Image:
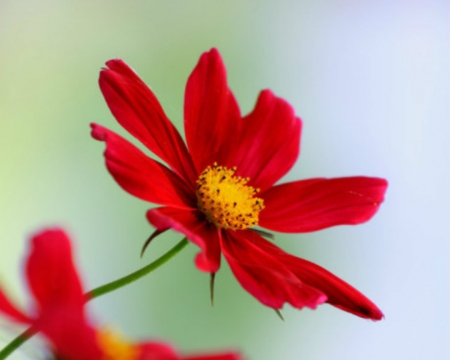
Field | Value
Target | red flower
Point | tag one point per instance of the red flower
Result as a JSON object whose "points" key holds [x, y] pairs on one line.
{"points": [[221, 185], [59, 311]]}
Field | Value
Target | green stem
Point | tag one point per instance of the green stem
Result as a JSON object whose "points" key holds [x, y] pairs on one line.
{"points": [[102, 290], [17, 342], [117, 284]]}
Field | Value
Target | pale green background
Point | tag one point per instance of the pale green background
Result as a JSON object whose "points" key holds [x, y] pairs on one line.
{"points": [[370, 80]]}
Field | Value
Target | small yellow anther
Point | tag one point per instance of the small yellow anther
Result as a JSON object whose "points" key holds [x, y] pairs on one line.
{"points": [[226, 199]]}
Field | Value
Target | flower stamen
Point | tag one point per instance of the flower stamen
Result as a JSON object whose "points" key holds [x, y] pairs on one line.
{"points": [[226, 200]]}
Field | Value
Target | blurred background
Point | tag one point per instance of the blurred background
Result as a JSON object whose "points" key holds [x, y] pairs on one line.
{"points": [[370, 80]]}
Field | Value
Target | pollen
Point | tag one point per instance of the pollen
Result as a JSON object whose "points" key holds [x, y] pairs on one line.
{"points": [[114, 347], [226, 199]]}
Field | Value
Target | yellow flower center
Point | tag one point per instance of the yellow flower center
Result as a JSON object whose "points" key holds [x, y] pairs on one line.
{"points": [[226, 200], [114, 347]]}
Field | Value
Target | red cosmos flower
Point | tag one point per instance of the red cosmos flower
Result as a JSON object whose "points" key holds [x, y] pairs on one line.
{"points": [[220, 185], [59, 311]]}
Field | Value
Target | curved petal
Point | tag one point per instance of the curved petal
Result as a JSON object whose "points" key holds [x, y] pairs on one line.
{"points": [[315, 204], [211, 114], [10, 310], [51, 273], [270, 141], [263, 275], [140, 175], [195, 228], [136, 108], [338, 292], [56, 286]]}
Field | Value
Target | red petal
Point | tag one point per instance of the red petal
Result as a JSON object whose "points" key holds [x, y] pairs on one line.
{"points": [[263, 275], [221, 356], [51, 273], [211, 114], [156, 351], [56, 286], [10, 310], [72, 338], [197, 230], [315, 204], [270, 141], [337, 291], [136, 108], [140, 175], [161, 351]]}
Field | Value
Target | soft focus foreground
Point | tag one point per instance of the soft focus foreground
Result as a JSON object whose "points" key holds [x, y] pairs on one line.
{"points": [[59, 310], [368, 80]]}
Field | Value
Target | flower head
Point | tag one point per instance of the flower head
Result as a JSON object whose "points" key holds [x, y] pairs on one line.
{"points": [[220, 185], [59, 310]]}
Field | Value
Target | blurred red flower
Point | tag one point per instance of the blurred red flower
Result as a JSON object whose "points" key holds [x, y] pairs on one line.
{"points": [[220, 185], [59, 310]]}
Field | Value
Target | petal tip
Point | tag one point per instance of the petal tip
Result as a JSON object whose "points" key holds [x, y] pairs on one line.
{"points": [[203, 263], [376, 315], [213, 56], [46, 234], [97, 132], [213, 51], [111, 63]]}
